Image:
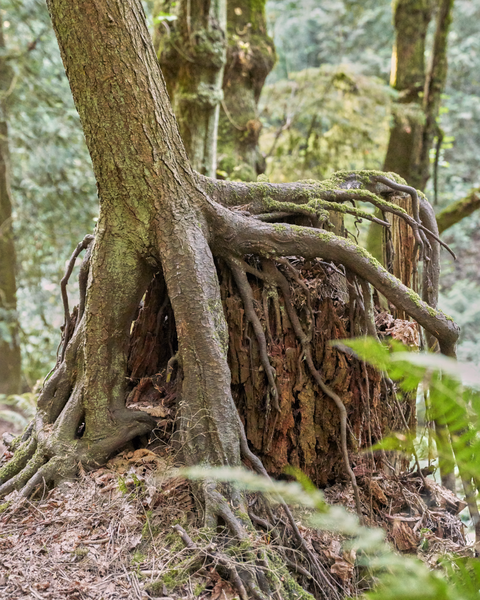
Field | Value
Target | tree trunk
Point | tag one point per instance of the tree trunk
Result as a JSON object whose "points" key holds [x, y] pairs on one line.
{"points": [[412, 18], [192, 52], [420, 88], [250, 58], [159, 219], [10, 363]]}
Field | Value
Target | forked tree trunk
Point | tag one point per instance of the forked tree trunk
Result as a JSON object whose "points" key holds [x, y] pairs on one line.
{"points": [[160, 218], [10, 359]]}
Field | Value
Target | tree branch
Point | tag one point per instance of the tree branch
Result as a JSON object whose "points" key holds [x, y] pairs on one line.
{"points": [[458, 210]]}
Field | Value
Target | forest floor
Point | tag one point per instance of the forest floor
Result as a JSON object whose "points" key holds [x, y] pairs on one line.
{"points": [[110, 534]]}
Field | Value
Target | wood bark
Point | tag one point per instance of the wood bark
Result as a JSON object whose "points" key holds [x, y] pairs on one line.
{"points": [[10, 359]]}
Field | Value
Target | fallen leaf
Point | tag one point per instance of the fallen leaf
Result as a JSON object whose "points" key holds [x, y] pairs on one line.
{"points": [[343, 569], [403, 536]]}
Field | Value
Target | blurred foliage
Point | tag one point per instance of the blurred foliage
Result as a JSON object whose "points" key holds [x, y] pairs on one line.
{"points": [[394, 576], [52, 181], [323, 120], [311, 33], [449, 391], [25, 406]]}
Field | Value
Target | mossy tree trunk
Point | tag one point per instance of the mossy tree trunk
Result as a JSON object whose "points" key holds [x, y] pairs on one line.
{"points": [[192, 52], [250, 58], [10, 359], [412, 19], [161, 221], [420, 86], [458, 210], [239, 78]]}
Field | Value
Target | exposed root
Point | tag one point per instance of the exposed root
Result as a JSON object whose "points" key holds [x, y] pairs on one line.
{"points": [[420, 239], [342, 187], [247, 297], [215, 557], [318, 572], [67, 333], [316, 209]]}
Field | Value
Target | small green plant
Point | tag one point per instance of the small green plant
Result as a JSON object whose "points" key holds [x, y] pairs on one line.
{"points": [[81, 552], [138, 557], [122, 486]]}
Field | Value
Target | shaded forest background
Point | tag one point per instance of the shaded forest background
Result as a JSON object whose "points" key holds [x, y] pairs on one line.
{"points": [[327, 105]]}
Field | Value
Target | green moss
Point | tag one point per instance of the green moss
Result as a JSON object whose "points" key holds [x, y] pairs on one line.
{"points": [[20, 458], [373, 261], [280, 577], [81, 552], [138, 557], [279, 227], [4, 506], [155, 588], [199, 589], [366, 176]]}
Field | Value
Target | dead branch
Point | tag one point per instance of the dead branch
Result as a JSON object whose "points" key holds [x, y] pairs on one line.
{"points": [[87, 240]]}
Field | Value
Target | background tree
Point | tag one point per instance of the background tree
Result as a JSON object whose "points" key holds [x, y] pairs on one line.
{"points": [[10, 364], [240, 76], [191, 41], [250, 58]]}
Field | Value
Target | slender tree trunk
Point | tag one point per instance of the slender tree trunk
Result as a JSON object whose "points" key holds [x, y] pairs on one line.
{"points": [[10, 359], [192, 53], [434, 86], [250, 58], [412, 18]]}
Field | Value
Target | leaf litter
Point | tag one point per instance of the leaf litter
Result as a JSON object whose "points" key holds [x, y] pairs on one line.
{"points": [[109, 534]]}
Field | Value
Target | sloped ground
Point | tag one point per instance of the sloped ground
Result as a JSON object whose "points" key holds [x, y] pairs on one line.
{"points": [[110, 535]]}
